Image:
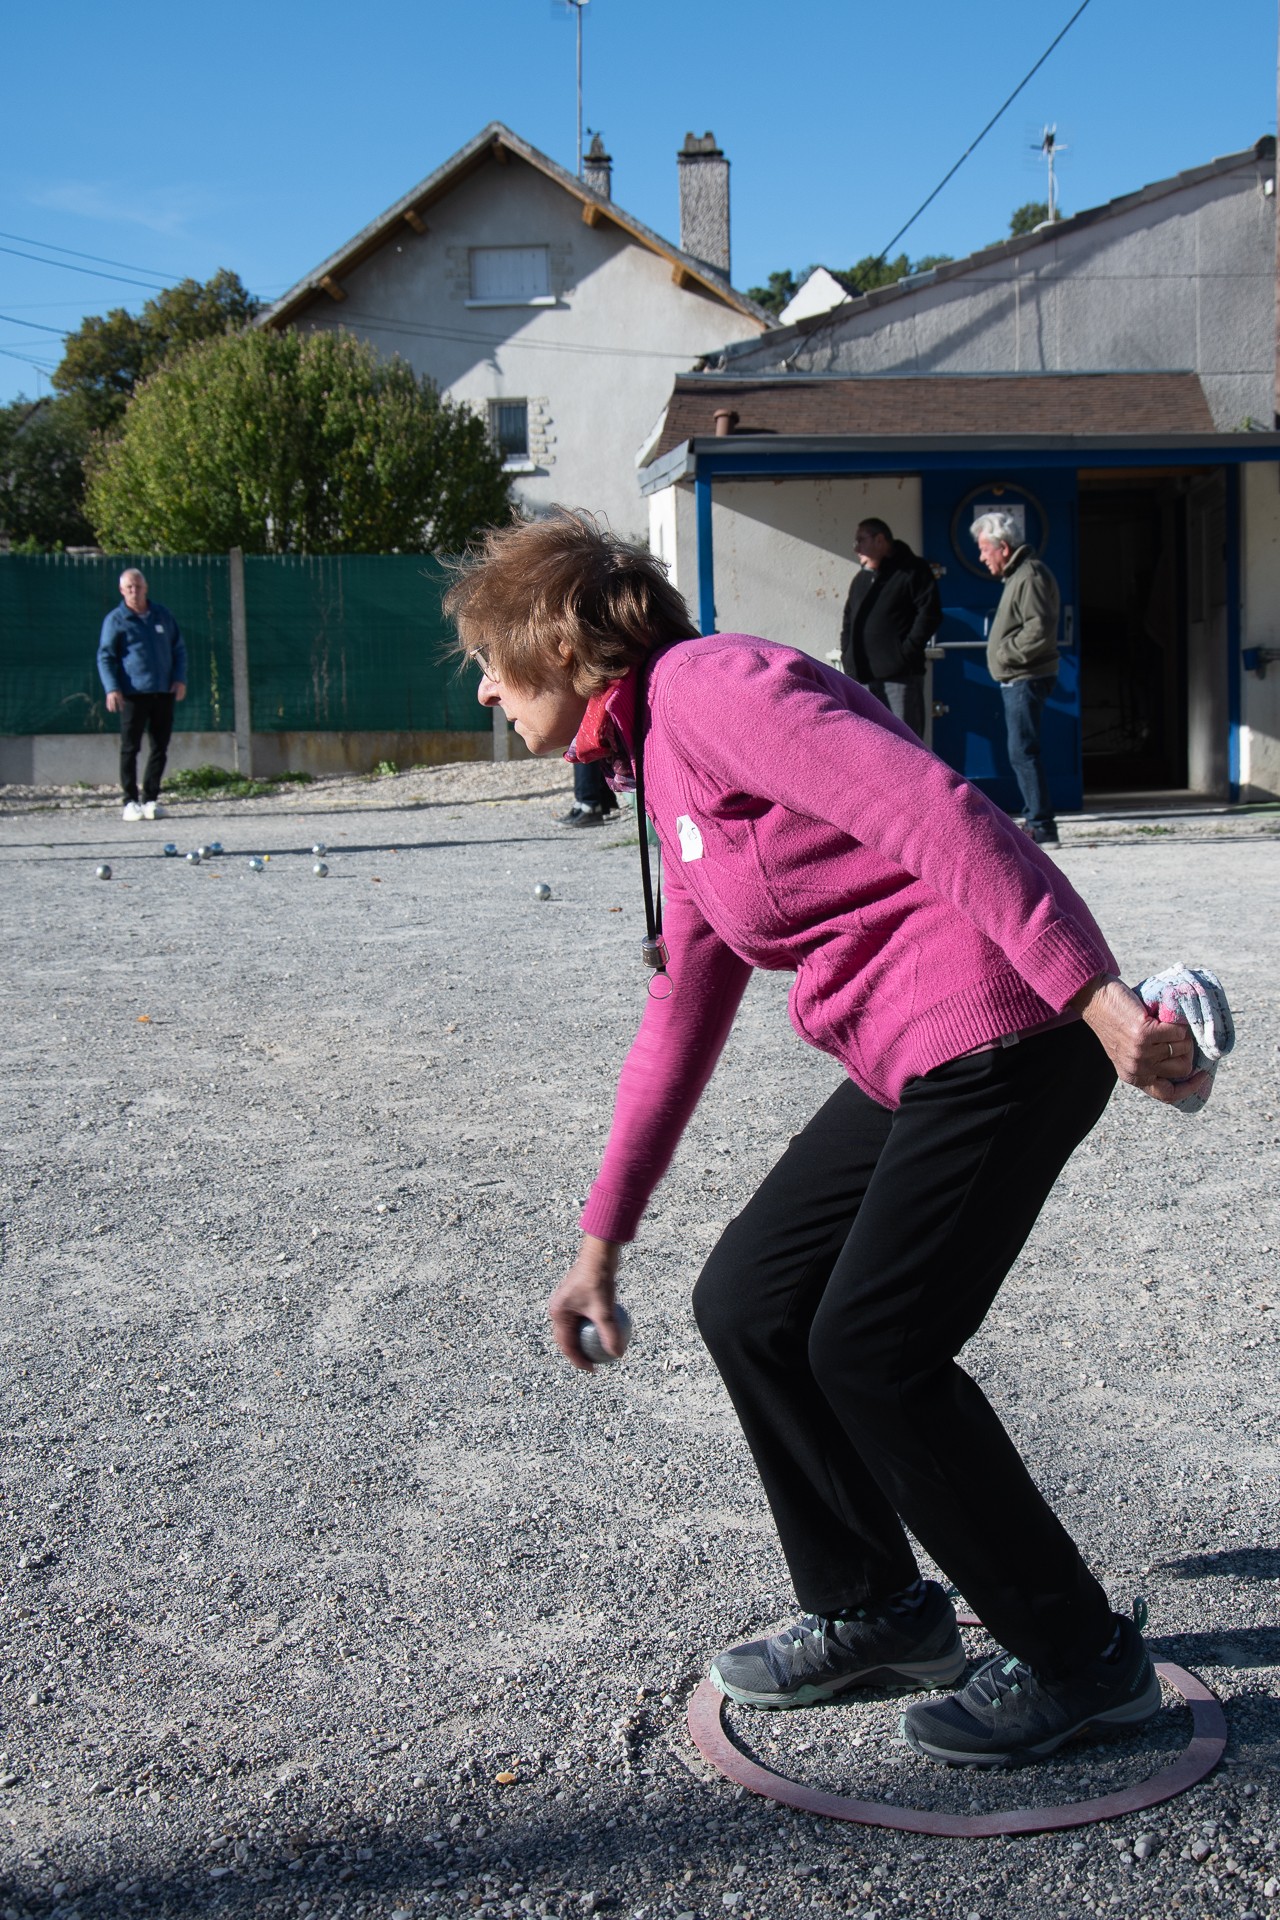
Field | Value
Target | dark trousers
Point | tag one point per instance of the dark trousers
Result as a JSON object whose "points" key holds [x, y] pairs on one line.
{"points": [[144, 713], [903, 697], [1024, 705], [835, 1305], [590, 788]]}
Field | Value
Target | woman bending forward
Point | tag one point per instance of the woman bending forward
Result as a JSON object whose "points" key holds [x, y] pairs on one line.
{"points": [[971, 999]]}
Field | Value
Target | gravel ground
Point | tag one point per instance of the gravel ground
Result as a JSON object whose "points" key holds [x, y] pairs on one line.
{"points": [[327, 1590]]}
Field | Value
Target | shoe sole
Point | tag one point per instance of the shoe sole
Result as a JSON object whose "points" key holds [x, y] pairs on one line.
{"points": [[924, 1674], [1132, 1714]]}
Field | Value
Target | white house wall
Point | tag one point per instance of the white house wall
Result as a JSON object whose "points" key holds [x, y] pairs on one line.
{"points": [[1260, 698], [1181, 283], [596, 367], [784, 551]]}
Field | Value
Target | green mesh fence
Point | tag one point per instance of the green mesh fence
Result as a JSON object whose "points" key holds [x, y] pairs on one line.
{"points": [[353, 643], [51, 611], [350, 644]]}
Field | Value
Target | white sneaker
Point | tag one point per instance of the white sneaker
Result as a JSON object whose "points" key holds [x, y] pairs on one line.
{"points": [[132, 811], [152, 810]]}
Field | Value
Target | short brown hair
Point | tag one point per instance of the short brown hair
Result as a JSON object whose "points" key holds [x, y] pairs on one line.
{"points": [[563, 593]]}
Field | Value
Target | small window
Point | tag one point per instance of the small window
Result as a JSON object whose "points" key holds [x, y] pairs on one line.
{"points": [[510, 274], [509, 429]]}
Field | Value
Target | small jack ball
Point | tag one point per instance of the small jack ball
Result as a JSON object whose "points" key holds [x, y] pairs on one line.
{"points": [[542, 891], [591, 1344], [320, 870], [194, 857], [170, 851], [258, 864], [103, 872], [319, 849]]}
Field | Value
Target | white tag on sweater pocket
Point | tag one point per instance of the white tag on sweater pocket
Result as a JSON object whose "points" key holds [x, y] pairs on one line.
{"points": [[690, 838]]}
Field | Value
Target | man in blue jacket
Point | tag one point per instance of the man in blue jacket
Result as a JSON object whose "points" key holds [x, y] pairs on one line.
{"points": [[142, 661]]}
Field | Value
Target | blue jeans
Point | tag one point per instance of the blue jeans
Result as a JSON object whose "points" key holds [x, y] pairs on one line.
{"points": [[1024, 702]]}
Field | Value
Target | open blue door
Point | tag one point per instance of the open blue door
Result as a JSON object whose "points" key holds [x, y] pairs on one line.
{"points": [[968, 724]]}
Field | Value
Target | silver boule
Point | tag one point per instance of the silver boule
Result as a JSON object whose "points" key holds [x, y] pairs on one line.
{"points": [[215, 846], [542, 891], [171, 852], [591, 1344], [320, 869], [319, 849], [206, 853], [194, 857], [103, 872], [257, 863]]}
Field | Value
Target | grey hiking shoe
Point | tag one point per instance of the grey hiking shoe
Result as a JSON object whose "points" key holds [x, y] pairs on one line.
{"points": [[1007, 1714], [879, 1647]]}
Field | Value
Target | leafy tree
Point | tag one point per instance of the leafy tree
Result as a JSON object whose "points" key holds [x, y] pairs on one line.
{"points": [[293, 443], [1024, 218], [781, 288], [42, 449], [869, 273], [107, 355]]}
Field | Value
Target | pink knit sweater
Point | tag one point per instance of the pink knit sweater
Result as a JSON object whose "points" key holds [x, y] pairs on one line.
{"points": [[804, 829]]}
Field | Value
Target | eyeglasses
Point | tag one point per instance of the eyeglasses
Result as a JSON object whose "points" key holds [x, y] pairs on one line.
{"points": [[480, 660]]}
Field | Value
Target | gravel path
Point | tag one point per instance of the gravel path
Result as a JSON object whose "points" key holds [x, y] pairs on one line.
{"points": [[327, 1590]]}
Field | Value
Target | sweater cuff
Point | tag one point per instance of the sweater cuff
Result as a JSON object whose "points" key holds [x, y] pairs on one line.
{"points": [[1063, 960], [610, 1216]]}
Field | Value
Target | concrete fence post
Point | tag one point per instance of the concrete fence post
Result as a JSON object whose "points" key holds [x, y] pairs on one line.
{"points": [[240, 665], [501, 735]]}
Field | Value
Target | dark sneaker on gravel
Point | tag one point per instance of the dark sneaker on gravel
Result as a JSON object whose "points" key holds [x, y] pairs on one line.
{"points": [[817, 1657], [1007, 1714]]}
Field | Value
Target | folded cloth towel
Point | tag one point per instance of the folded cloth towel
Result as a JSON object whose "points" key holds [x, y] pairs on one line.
{"points": [[1194, 996]]}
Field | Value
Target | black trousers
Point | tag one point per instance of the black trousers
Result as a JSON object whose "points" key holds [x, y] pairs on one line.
{"points": [[144, 713], [835, 1304]]}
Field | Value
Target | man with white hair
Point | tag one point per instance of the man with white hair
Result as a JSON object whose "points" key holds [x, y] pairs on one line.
{"points": [[142, 662], [1022, 657]]}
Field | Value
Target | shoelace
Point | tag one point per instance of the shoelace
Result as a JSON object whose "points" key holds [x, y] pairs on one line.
{"points": [[999, 1678]]}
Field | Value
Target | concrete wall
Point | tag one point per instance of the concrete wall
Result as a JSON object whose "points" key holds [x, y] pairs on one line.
{"points": [[783, 550], [1185, 282], [596, 367], [63, 759], [1260, 627]]}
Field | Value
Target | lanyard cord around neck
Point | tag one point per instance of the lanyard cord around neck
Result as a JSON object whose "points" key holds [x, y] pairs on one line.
{"points": [[653, 948]]}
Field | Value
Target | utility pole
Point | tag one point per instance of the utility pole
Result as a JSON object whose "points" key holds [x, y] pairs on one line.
{"points": [[577, 6]]}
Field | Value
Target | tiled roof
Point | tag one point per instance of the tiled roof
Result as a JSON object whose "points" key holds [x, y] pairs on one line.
{"points": [[893, 406]]}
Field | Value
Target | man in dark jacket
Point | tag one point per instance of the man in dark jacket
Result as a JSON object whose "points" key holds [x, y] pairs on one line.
{"points": [[142, 662], [892, 613]]}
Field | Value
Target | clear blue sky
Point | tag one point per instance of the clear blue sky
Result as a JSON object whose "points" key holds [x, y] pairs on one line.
{"points": [[260, 137]]}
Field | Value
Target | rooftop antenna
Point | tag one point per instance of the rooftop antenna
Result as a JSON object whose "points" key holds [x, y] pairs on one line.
{"points": [[575, 7], [1050, 147]]}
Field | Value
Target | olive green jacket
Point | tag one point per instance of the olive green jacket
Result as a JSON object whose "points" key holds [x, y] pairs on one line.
{"points": [[1023, 641]]}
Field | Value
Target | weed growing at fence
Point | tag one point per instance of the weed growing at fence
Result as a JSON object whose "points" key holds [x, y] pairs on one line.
{"points": [[385, 769], [218, 781]]}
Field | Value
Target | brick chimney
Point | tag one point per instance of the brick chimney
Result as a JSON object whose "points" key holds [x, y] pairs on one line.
{"points": [[597, 169], [704, 201]]}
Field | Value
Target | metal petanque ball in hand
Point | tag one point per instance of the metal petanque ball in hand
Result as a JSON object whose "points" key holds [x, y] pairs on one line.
{"points": [[103, 872], [542, 891], [591, 1344]]}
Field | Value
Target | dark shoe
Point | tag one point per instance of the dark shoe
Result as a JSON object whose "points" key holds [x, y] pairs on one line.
{"points": [[583, 816], [1007, 1714], [1044, 836], [817, 1657]]}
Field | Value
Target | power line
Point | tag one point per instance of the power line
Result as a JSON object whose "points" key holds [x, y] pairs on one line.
{"points": [[149, 285], [38, 325], [985, 131], [25, 240]]}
